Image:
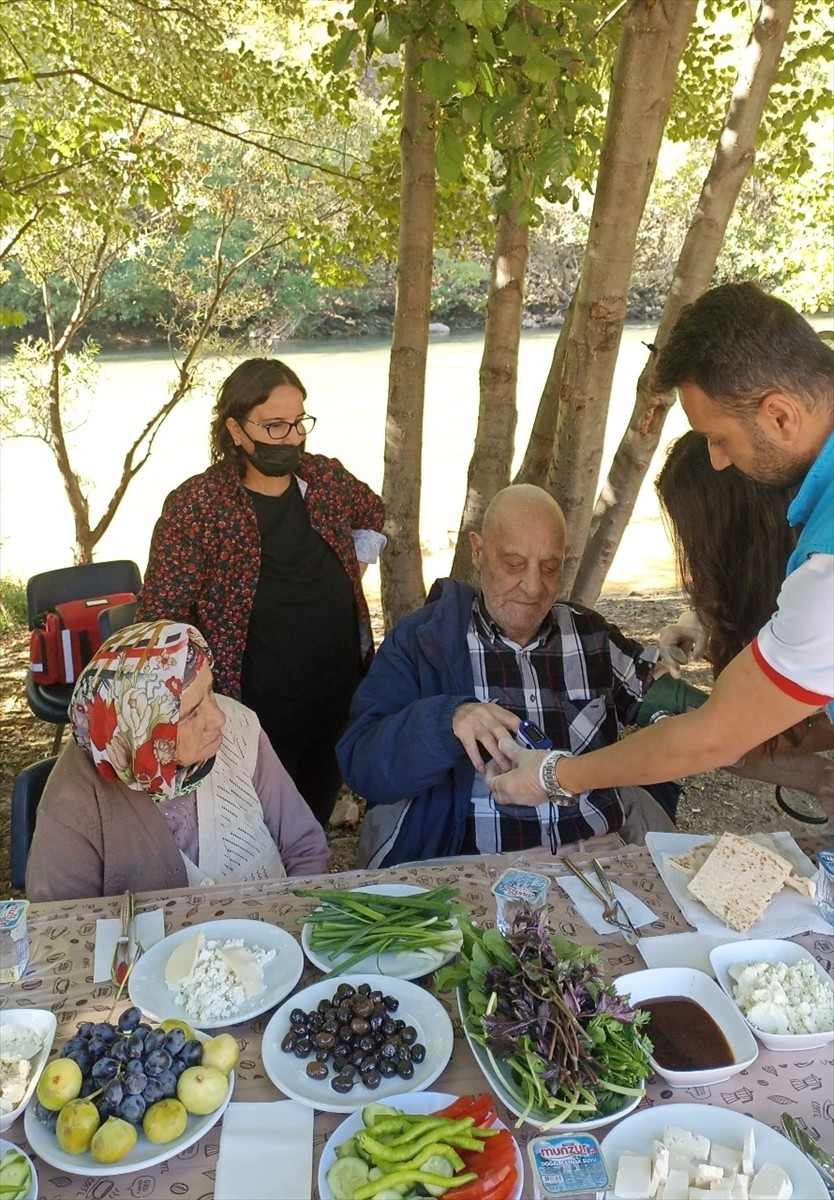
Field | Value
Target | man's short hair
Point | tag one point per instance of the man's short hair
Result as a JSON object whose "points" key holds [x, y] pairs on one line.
{"points": [[738, 344]]}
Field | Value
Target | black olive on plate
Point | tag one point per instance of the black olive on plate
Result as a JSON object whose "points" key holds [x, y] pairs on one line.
{"points": [[376, 997], [363, 1007], [322, 1055], [408, 1035], [375, 1020], [405, 1070], [389, 1049], [345, 989], [371, 1079], [359, 1026], [342, 1083], [387, 1068], [317, 1070], [366, 1043], [418, 1052], [298, 1017], [391, 1003], [388, 1027], [289, 1040], [364, 989], [303, 1048]]}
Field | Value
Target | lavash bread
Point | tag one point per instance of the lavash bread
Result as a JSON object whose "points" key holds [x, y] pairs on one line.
{"points": [[691, 862], [738, 880]]}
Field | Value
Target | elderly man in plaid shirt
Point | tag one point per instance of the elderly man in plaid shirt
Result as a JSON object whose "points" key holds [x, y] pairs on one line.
{"points": [[457, 675]]}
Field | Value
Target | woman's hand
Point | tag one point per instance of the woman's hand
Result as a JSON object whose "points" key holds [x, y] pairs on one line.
{"points": [[486, 723], [684, 637], [518, 782]]}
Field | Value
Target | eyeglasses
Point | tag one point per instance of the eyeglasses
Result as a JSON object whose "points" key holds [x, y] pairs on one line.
{"points": [[278, 430]]}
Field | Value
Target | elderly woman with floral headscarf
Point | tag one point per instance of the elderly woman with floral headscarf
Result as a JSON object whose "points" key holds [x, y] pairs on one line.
{"points": [[164, 784]]}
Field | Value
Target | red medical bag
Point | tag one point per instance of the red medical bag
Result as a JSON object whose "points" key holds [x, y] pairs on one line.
{"points": [[65, 639]]}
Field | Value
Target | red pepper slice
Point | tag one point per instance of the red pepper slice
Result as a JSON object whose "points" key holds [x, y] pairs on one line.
{"points": [[492, 1185]]}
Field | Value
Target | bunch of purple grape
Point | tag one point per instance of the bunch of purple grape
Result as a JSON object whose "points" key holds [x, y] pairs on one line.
{"points": [[126, 1067]]}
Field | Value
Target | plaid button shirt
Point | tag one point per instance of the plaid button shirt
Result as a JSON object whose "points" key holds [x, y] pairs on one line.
{"points": [[580, 680]]}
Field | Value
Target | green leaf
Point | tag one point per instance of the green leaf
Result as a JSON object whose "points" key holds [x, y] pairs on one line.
{"points": [[449, 155], [389, 33], [457, 47], [343, 49], [11, 318], [540, 68], [471, 110], [495, 12], [470, 11], [157, 195], [517, 39], [439, 79]]}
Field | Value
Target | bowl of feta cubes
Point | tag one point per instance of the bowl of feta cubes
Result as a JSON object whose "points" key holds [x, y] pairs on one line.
{"points": [[688, 1151], [780, 989], [26, 1037]]}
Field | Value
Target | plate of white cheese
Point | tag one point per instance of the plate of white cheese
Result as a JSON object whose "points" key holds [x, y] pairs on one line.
{"points": [[26, 1036], [685, 1151], [217, 974]]}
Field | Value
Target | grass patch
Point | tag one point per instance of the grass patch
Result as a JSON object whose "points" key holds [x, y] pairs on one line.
{"points": [[13, 609]]}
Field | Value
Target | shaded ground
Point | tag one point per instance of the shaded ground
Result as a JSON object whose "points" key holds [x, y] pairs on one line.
{"points": [[711, 803]]}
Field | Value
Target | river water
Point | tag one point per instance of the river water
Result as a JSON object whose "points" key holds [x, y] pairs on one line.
{"points": [[347, 391]]}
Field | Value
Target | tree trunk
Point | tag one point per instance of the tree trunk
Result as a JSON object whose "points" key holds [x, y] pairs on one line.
{"points": [[401, 567], [489, 467], [652, 41], [734, 156], [537, 456]]}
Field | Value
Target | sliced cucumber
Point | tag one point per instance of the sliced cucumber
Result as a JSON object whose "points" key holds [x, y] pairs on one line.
{"points": [[347, 1149], [437, 1165], [346, 1176], [15, 1175], [371, 1112], [375, 1173]]}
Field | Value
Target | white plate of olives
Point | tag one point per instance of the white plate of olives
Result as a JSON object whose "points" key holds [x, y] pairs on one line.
{"points": [[84, 1048], [362, 1038]]}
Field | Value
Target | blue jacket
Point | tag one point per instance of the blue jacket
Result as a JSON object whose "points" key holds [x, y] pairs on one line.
{"points": [[400, 743]]}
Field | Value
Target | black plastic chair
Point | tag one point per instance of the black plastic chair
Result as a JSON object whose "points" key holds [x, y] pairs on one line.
{"points": [[110, 620], [50, 701], [26, 796]]}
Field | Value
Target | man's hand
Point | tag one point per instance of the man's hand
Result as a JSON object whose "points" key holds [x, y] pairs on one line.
{"points": [[684, 637], [474, 722], [518, 782]]}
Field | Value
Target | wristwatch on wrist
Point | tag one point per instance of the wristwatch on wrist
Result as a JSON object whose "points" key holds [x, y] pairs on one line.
{"points": [[548, 780]]}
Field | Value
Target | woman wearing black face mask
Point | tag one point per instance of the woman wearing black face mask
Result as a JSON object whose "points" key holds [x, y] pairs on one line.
{"points": [[264, 552]]}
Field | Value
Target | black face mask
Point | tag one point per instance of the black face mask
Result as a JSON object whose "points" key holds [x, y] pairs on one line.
{"points": [[272, 459]]}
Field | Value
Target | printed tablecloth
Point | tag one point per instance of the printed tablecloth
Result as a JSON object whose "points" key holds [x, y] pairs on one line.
{"points": [[60, 978]]}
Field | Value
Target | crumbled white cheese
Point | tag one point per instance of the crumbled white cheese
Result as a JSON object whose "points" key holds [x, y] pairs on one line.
{"points": [[781, 998], [213, 991], [18, 1044]]}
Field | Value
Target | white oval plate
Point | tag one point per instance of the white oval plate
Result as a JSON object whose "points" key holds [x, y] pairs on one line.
{"points": [[44, 1023], [410, 1102], [771, 950], [149, 991], [144, 1153], [417, 1007], [32, 1194], [501, 1084], [397, 966], [722, 1125]]}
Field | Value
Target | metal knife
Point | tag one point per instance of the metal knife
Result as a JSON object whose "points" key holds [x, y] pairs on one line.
{"points": [[120, 964], [804, 1142], [630, 933], [626, 929]]}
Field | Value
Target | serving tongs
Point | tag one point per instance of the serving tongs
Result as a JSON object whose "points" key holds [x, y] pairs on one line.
{"points": [[613, 912], [804, 1142], [121, 964]]}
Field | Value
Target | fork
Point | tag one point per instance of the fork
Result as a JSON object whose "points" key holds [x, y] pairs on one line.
{"points": [[621, 917], [609, 910]]}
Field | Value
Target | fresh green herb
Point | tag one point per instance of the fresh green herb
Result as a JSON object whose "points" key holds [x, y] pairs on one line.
{"points": [[367, 924], [555, 1032]]}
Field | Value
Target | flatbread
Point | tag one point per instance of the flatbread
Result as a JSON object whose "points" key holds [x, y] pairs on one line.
{"points": [[738, 880], [692, 861]]}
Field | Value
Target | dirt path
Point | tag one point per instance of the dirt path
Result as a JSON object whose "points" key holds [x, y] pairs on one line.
{"points": [[710, 803]]}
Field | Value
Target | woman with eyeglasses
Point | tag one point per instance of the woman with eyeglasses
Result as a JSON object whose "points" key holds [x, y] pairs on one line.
{"points": [[264, 552]]}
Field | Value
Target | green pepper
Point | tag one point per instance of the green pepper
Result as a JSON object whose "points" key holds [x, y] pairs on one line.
{"points": [[399, 1154], [439, 1124], [403, 1176]]}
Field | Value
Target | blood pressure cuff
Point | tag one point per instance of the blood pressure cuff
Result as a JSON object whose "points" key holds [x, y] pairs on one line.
{"points": [[668, 694]]}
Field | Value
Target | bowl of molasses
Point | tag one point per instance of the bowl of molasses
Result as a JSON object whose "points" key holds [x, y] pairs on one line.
{"points": [[699, 1036]]}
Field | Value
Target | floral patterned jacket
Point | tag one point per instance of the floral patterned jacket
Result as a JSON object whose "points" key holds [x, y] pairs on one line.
{"points": [[205, 554]]}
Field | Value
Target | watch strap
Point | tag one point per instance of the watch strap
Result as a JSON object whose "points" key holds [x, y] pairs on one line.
{"points": [[547, 776]]}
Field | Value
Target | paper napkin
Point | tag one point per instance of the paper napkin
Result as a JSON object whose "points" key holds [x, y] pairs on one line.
{"points": [[149, 928], [590, 908], [266, 1152], [786, 914]]}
